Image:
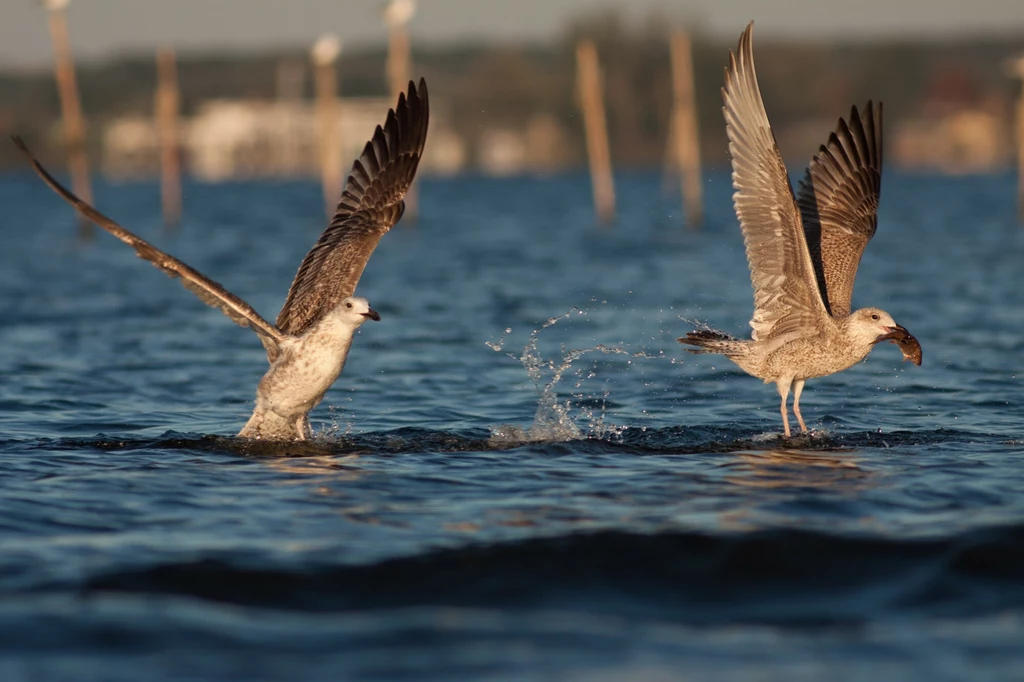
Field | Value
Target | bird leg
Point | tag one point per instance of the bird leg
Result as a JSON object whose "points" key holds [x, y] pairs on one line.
{"points": [[302, 428], [784, 393], [798, 388]]}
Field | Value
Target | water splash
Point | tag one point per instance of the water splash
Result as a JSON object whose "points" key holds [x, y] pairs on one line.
{"points": [[558, 419], [339, 428]]}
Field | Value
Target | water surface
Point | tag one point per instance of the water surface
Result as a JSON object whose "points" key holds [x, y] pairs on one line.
{"points": [[520, 475]]}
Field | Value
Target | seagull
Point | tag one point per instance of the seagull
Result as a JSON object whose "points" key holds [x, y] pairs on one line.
{"points": [[803, 251], [309, 343]]}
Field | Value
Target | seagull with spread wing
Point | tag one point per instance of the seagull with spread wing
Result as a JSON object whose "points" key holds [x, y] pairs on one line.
{"points": [[308, 346], [803, 251]]}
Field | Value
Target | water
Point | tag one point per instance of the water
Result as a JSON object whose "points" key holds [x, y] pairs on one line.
{"points": [[519, 475]]}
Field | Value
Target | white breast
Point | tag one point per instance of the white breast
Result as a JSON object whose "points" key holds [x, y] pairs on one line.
{"points": [[307, 367]]}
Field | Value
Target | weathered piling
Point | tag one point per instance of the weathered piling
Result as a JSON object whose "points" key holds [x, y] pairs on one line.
{"points": [[684, 136], [1015, 67], [324, 55], [168, 108], [290, 85], [397, 14], [71, 108], [595, 123]]}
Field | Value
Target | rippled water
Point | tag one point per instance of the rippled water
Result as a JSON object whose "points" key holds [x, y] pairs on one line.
{"points": [[519, 475]]}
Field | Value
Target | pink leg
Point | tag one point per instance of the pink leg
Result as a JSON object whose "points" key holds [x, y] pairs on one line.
{"points": [[302, 428], [798, 387], [783, 386]]}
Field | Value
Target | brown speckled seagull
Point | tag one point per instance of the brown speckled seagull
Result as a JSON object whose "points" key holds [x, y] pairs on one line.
{"points": [[308, 346], [803, 251]]}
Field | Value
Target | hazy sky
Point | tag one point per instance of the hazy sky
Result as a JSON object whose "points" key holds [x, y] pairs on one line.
{"points": [[101, 28]]}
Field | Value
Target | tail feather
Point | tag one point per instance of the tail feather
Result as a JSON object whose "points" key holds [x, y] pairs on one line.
{"points": [[711, 341]]}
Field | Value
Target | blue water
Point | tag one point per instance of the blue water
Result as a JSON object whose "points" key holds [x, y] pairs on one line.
{"points": [[520, 475]]}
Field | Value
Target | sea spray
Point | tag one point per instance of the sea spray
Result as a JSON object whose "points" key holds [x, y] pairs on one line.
{"points": [[559, 419]]}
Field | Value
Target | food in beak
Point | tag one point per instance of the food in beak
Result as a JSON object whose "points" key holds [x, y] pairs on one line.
{"points": [[909, 346]]}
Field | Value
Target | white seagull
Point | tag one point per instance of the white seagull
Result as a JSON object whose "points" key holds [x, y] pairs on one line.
{"points": [[309, 344], [803, 250]]}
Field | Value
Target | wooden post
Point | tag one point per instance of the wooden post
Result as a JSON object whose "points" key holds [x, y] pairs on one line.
{"points": [[71, 108], [684, 136], [168, 105], [1020, 153], [397, 15], [592, 103], [1015, 67], [291, 82], [325, 54], [668, 159]]}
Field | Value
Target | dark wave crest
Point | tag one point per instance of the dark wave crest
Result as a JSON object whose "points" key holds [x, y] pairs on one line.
{"points": [[781, 577]]}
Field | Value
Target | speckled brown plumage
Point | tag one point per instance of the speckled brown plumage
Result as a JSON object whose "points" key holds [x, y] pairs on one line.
{"points": [[308, 347], [803, 250], [838, 200], [371, 203]]}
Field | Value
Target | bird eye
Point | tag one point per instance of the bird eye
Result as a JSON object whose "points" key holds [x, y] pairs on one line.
{"points": [[874, 317], [349, 305]]}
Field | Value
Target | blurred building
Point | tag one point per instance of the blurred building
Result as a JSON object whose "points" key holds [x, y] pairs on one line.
{"points": [[237, 138], [542, 147], [962, 127], [968, 141]]}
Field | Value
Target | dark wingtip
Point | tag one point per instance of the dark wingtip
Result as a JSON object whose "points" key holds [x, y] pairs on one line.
{"points": [[20, 144], [416, 92]]}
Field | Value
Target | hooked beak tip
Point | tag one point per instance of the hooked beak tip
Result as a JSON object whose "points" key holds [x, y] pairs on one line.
{"points": [[372, 315]]}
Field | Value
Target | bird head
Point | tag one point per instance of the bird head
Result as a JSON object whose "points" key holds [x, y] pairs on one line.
{"points": [[356, 310], [871, 325]]}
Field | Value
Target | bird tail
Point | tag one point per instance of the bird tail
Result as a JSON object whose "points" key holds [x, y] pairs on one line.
{"points": [[710, 341]]}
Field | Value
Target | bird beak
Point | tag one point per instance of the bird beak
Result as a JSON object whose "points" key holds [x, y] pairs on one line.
{"points": [[372, 315], [909, 346], [893, 334]]}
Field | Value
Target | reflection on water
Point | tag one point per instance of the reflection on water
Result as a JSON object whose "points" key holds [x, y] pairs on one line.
{"points": [[797, 469], [337, 467]]}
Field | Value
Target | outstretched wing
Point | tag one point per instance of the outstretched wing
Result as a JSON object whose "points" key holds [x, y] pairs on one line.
{"points": [[371, 203], [838, 200], [208, 291], [786, 297]]}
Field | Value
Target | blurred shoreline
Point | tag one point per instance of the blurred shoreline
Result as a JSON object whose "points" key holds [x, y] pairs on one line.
{"points": [[511, 108]]}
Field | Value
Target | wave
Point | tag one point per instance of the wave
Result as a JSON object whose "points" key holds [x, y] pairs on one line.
{"points": [[782, 577]]}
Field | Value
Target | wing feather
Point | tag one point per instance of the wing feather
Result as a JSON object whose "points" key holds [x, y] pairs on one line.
{"points": [[207, 290], [786, 297], [371, 203], [838, 199]]}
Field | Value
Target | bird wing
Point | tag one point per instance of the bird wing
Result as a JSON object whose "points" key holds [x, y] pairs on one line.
{"points": [[838, 199], [208, 291], [786, 297], [371, 203]]}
